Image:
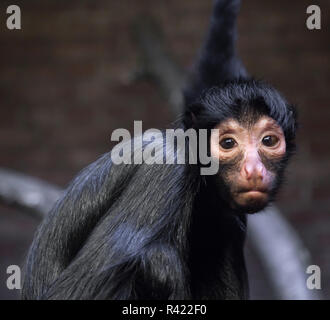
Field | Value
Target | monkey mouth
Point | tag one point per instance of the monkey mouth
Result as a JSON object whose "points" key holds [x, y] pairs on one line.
{"points": [[253, 190], [251, 200], [255, 196]]}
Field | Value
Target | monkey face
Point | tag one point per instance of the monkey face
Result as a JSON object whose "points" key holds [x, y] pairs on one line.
{"points": [[250, 156]]}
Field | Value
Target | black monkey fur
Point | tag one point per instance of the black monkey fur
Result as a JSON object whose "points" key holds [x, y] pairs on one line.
{"points": [[159, 231]]}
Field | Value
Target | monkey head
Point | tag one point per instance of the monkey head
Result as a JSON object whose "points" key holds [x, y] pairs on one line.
{"points": [[249, 157], [253, 141]]}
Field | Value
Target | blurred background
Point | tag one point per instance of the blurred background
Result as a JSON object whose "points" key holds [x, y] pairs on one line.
{"points": [[72, 75]]}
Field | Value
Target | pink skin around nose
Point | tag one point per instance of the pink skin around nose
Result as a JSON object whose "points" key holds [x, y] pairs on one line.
{"points": [[253, 168], [253, 171]]}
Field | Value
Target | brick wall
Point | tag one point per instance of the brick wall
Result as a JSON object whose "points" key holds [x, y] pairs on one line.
{"points": [[65, 85]]}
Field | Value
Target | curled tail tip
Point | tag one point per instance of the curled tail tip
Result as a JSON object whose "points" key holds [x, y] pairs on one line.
{"points": [[226, 5]]}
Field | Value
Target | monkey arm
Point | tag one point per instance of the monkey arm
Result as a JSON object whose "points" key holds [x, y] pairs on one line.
{"points": [[101, 271], [107, 229], [133, 251], [68, 224], [217, 61]]}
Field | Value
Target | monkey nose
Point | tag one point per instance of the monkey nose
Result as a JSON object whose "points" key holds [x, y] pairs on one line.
{"points": [[254, 170]]}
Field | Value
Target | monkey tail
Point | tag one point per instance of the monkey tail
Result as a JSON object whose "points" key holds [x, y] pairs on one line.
{"points": [[217, 62]]}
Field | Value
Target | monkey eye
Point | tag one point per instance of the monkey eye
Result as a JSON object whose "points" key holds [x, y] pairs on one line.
{"points": [[228, 143], [270, 141]]}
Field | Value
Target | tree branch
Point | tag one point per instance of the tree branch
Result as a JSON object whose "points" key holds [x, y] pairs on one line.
{"points": [[27, 193]]}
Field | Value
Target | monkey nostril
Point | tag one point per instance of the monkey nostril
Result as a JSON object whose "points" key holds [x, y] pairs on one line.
{"points": [[248, 170], [261, 170]]}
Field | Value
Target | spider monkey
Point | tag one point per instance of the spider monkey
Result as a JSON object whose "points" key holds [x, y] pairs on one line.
{"points": [[152, 231]]}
